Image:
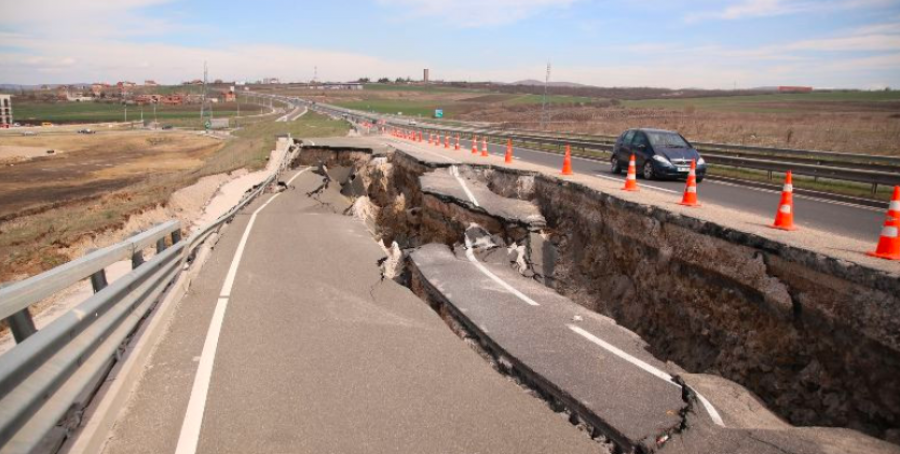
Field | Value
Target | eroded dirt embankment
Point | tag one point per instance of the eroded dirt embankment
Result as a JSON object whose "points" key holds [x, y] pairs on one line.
{"points": [[816, 338]]}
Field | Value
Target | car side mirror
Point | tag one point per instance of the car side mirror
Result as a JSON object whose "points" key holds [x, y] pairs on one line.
{"points": [[641, 146]]}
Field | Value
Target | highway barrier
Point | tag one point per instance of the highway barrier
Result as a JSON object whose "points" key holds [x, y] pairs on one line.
{"points": [[48, 378]]}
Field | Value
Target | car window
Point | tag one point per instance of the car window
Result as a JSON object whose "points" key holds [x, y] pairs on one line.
{"points": [[639, 139], [626, 138], [667, 140]]}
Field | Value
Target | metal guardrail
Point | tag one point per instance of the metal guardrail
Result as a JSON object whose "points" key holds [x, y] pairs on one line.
{"points": [[868, 169], [47, 379]]}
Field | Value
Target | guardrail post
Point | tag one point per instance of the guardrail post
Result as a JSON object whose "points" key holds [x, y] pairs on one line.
{"points": [[176, 236], [21, 325], [98, 280], [137, 259], [160, 245]]}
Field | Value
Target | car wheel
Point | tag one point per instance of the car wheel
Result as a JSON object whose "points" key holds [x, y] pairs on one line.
{"points": [[614, 163], [648, 171]]}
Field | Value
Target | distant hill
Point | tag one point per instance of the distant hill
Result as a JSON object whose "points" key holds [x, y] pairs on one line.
{"points": [[534, 82]]}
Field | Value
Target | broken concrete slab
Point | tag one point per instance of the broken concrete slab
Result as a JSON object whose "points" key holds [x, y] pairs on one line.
{"points": [[632, 408], [449, 184], [639, 411]]}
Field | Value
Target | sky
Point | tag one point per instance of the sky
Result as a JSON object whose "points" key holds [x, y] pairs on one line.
{"points": [[657, 43]]}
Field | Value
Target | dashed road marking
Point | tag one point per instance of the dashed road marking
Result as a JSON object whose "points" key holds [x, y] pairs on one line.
{"points": [[189, 436], [471, 256], [455, 172], [713, 414]]}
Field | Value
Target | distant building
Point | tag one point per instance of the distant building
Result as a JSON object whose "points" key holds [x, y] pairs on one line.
{"points": [[792, 89], [332, 86], [425, 77], [151, 83], [147, 99], [271, 81], [228, 96], [172, 100], [6, 116]]}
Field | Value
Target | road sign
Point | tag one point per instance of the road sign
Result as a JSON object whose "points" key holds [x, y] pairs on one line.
{"points": [[438, 113]]}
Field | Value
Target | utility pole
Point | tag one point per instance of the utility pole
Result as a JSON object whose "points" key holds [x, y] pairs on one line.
{"points": [[203, 105], [154, 115], [544, 112], [126, 113], [237, 119]]}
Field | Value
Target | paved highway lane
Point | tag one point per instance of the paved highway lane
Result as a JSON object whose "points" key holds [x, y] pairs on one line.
{"points": [[317, 353], [859, 222]]}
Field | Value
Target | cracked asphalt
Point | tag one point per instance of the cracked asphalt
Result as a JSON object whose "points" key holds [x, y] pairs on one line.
{"points": [[318, 354]]}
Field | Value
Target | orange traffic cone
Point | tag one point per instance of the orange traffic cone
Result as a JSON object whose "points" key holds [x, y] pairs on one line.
{"points": [[784, 218], [690, 189], [447, 142], [894, 207], [474, 144], [567, 161], [631, 178], [484, 150], [888, 243], [437, 140], [457, 142], [509, 151]]}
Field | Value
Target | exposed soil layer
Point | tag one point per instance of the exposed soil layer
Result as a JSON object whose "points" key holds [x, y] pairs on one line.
{"points": [[818, 339]]}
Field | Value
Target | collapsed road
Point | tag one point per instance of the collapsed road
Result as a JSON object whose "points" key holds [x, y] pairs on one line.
{"points": [[618, 326]]}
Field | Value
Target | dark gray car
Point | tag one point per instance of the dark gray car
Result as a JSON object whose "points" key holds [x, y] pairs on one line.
{"points": [[658, 154]]}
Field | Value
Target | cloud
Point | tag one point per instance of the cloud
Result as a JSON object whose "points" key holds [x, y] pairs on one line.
{"points": [[746, 9], [85, 18], [476, 13], [50, 61]]}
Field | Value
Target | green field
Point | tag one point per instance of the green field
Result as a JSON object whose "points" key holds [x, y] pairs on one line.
{"points": [[775, 102], [96, 112]]}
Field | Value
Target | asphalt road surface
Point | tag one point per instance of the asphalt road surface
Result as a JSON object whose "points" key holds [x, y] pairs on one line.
{"points": [[853, 221], [291, 341]]}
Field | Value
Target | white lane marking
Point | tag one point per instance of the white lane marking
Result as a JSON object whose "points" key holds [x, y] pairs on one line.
{"points": [[471, 256], [455, 172], [647, 368], [642, 185], [189, 436]]}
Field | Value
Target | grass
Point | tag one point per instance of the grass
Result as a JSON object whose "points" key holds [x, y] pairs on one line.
{"points": [[552, 99], [419, 88], [763, 103], [96, 112], [452, 107], [31, 244]]}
